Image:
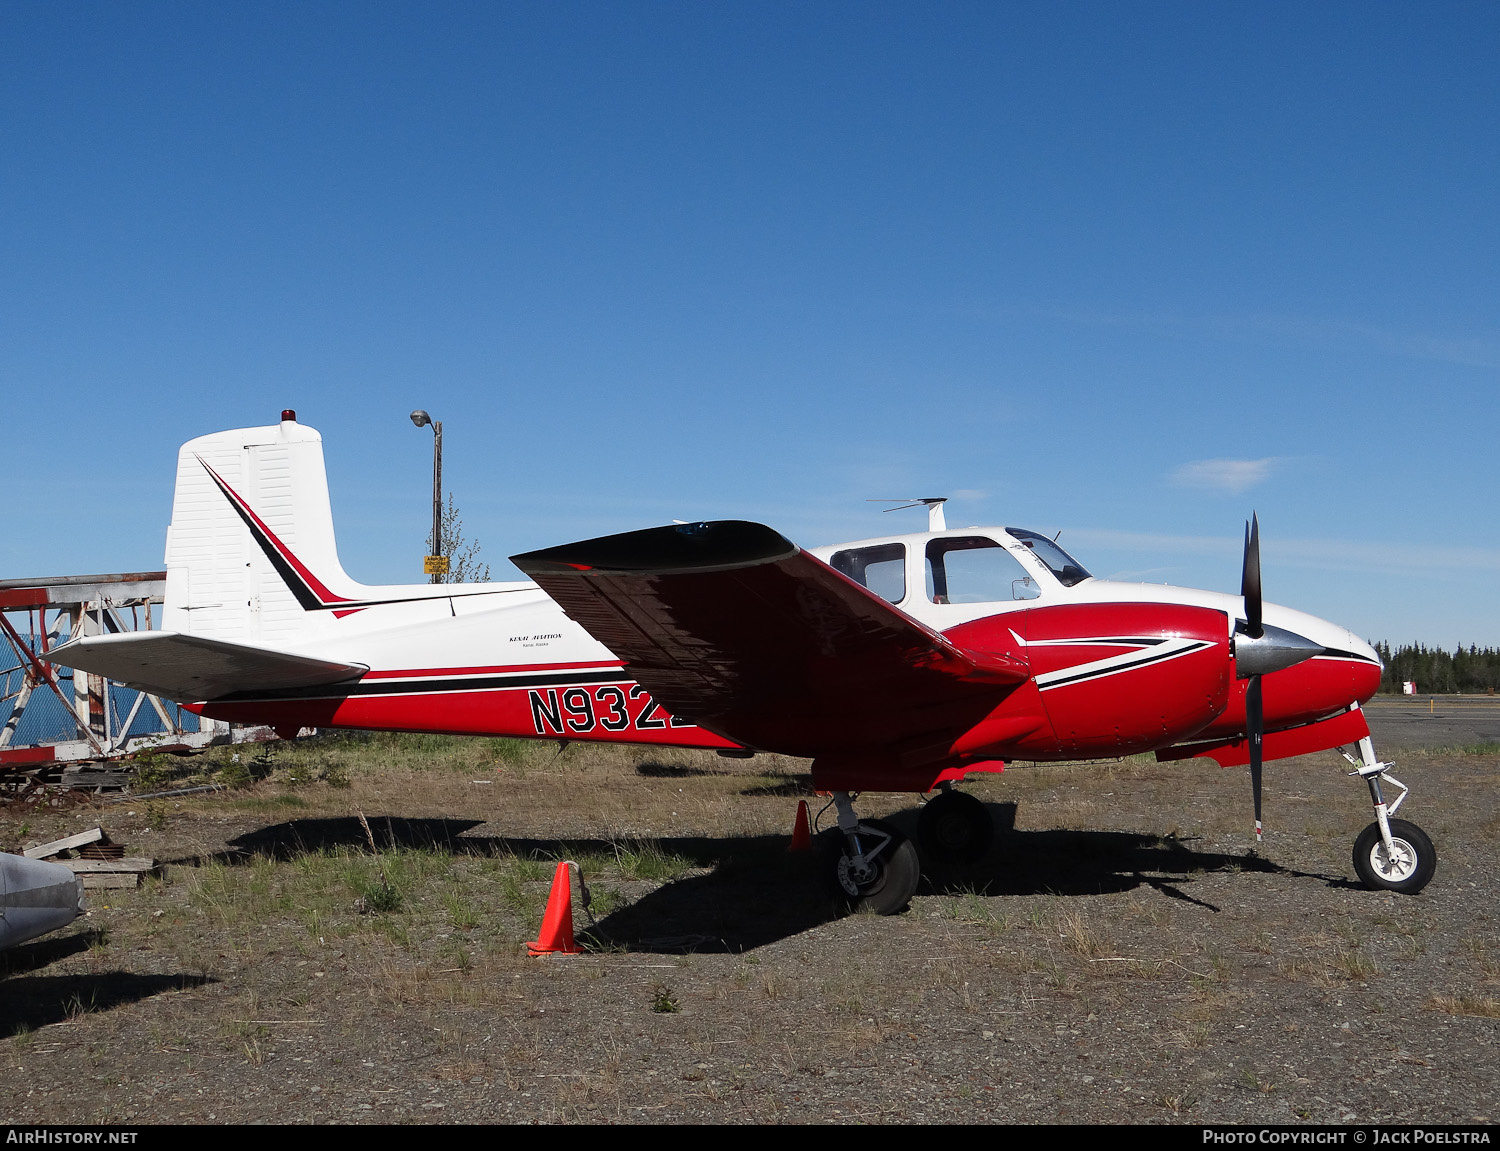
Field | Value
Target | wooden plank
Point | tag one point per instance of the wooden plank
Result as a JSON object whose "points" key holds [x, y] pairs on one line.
{"points": [[63, 591], [130, 864], [85, 780], [111, 879], [42, 850]]}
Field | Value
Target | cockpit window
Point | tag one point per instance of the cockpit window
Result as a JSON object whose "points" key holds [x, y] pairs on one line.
{"points": [[882, 569], [974, 569], [1067, 570]]}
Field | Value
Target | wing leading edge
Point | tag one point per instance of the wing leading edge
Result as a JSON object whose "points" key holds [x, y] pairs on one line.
{"points": [[733, 627]]}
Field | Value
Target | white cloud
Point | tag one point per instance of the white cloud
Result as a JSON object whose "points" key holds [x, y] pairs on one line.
{"points": [[1233, 476]]}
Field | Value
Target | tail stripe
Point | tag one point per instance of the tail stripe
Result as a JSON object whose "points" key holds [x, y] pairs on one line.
{"points": [[308, 589]]}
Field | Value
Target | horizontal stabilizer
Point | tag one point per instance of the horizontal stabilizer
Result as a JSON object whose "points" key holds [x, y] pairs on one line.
{"points": [[733, 627], [190, 668]]}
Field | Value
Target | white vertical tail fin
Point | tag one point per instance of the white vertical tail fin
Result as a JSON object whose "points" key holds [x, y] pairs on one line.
{"points": [[250, 553]]}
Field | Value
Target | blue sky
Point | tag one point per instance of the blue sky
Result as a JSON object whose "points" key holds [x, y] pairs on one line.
{"points": [[1128, 271]]}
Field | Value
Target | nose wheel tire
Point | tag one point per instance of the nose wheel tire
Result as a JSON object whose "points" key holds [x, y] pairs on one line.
{"points": [[1408, 869], [954, 827], [885, 877]]}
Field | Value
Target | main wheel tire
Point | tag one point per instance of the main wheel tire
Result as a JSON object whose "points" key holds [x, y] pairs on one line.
{"points": [[1407, 871], [954, 827], [896, 873]]}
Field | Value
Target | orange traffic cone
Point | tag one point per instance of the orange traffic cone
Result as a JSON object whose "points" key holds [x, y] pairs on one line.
{"points": [[801, 831], [556, 936]]}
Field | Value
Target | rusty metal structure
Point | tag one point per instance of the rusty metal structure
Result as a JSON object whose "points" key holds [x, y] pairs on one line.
{"points": [[93, 719]]}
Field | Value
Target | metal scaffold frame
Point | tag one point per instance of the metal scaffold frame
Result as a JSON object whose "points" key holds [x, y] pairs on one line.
{"points": [[62, 608]]}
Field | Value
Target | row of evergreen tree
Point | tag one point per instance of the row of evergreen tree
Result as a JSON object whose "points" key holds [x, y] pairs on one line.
{"points": [[1437, 672]]}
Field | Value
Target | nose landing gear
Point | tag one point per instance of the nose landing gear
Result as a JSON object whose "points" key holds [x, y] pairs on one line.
{"points": [[1406, 865], [1390, 854]]}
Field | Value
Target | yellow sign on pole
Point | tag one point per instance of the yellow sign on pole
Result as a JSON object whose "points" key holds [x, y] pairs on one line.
{"points": [[435, 565]]}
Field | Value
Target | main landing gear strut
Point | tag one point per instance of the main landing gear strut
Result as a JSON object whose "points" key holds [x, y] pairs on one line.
{"points": [[954, 827], [877, 869], [1390, 854]]}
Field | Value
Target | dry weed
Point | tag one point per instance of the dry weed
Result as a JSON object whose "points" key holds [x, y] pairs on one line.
{"points": [[1195, 1036], [1079, 937], [974, 908], [1472, 1005], [1157, 913], [1356, 966]]}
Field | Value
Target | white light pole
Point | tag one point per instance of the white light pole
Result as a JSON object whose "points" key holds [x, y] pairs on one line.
{"points": [[422, 420]]}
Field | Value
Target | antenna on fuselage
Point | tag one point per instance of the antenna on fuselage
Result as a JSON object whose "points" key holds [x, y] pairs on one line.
{"points": [[934, 505]]}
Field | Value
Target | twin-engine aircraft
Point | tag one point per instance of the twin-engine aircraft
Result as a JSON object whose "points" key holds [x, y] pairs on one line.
{"points": [[895, 664]]}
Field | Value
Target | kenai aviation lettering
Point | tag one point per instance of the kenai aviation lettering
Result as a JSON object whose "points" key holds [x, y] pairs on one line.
{"points": [[577, 711]]}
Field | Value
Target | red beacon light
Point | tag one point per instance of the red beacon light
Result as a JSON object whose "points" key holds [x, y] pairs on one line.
{"points": [[288, 416]]}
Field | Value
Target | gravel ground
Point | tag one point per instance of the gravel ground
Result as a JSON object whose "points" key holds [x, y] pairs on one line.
{"points": [[1121, 956]]}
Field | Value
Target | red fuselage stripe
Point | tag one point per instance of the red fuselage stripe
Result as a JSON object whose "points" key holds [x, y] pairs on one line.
{"points": [[313, 583], [413, 673]]}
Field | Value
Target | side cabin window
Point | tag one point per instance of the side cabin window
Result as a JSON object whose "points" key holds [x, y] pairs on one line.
{"points": [[882, 569], [973, 569]]}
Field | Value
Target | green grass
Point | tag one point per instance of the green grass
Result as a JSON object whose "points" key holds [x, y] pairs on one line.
{"points": [[515, 897], [464, 914], [663, 1001], [972, 906], [1489, 747], [269, 803], [1483, 748], [408, 894], [529, 870], [645, 859]]}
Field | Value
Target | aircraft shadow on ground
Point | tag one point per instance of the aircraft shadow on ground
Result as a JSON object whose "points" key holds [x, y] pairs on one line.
{"points": [[748, 891], [300, 837], [755, 892], [653, 770], [28, 1002], [40, 953], [790, 786]]}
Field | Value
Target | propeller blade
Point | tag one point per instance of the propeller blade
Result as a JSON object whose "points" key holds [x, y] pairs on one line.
{"points": [[1255, 729], [1250, 578]]}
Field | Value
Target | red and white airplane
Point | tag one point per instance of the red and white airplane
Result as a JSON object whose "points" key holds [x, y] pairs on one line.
{"points": [[896, 664]]}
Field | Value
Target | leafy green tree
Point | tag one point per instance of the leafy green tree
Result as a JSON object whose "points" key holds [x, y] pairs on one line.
{"points": [[1466, 671], [464, 564]]}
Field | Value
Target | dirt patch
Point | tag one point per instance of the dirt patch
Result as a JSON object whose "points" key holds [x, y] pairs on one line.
{"points": [[1121, 955]]}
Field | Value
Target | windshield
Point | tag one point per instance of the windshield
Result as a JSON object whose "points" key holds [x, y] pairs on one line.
{"points": [[1067, 570]]}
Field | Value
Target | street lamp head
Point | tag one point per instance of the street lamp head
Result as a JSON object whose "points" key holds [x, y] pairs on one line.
{"points": [[420, 418]]}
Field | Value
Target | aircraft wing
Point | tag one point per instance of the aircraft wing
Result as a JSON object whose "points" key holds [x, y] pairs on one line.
{"points": [[732, 627], [191, 668]]}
